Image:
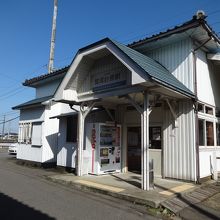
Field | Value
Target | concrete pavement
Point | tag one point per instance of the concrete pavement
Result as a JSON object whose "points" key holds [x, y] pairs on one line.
{"points": [[126, 186], [186, 200], [26, 194], [203, 200]]}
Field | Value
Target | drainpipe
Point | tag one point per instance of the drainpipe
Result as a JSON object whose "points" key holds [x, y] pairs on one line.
{"points": [[196, 109]]}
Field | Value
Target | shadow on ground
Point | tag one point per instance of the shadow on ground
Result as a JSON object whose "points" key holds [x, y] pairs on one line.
{"points": [[207, 212], [133, 180], [13, 209]]}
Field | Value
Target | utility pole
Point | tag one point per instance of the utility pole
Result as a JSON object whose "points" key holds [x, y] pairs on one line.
{"points": [[53, 35], [3, 127], [8, 129]]}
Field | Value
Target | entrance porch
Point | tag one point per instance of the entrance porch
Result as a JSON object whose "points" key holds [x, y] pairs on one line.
{"points": [[111, 76]]}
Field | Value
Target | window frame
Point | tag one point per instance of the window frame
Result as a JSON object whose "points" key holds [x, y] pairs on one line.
{"points": [[154, 141], [206, 117], [25, 132]]}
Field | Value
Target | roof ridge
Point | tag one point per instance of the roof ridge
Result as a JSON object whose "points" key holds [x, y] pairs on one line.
{"points": [[28, 82], [192, 22]]}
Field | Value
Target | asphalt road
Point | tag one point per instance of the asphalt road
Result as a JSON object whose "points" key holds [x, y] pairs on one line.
{"points": [[26, 194]]}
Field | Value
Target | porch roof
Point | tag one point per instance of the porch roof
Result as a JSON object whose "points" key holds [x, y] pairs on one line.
{"points": [[153, 69], [33, 102]]}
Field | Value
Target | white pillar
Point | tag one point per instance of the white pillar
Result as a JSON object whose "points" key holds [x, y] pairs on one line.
{"points": [[145, 144], [81, 121], [83, 112], [215, 161]]}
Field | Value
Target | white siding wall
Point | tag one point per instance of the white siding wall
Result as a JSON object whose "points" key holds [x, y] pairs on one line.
{"points": [[47, 89], [50, 133], [32, 114], [207, 80], [48, 150], [208, 92], [206, 159], [177, 58], [179, 143], [208, 162], [66, 152], [27, 151], [215, 72], [204, 82]]}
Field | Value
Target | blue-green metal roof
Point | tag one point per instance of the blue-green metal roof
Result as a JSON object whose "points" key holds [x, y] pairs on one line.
{"points": [[33, 102], [155, 70]]}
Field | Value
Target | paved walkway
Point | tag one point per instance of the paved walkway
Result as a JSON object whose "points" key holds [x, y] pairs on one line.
{"points": [[127, 186], [181, 202]]}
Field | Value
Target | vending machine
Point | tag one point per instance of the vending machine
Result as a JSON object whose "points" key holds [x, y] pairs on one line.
{"points": [[103, 148]]}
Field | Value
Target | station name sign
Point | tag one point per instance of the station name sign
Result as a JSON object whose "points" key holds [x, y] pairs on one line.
{"points": [[108, 80]]}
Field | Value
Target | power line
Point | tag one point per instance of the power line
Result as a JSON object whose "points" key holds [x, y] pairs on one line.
{"points": [[9, 77], [156, 30], [214, 12], [7, 114], [12, 94], [12, 119], [11, 91]]}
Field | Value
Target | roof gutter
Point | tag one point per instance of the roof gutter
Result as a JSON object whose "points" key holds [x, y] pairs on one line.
{"points": [[210, 32]]}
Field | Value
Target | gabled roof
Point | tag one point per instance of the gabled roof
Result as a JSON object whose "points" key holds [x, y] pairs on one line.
{"points": [[153, 70], [60, 72], [193, 23], [33, 102]]}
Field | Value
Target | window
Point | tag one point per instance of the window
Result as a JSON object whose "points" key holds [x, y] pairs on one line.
{"points": [[25, 130], [205, 109], [201, 133], [71, 129], [36, 134], [155, 137], [207, 118], [218, 133], [209, 134], [200, 108], [206, 133], [209, 110], [30, 133]]}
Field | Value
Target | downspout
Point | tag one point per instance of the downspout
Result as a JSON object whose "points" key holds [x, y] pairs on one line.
{"points": [[196, 109]]}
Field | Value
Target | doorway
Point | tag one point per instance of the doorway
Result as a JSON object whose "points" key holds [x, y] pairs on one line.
{"points": [[134, 149]]}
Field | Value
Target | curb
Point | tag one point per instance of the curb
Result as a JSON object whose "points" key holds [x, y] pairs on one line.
{"points": [[122, 196]]}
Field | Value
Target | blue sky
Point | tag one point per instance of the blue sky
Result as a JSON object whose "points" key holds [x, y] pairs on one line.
{"points": [[26, 29]]}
